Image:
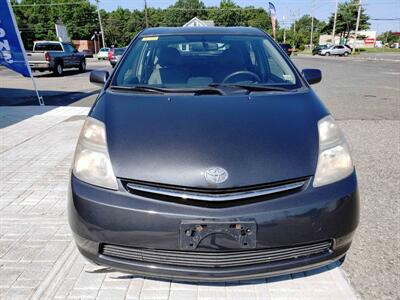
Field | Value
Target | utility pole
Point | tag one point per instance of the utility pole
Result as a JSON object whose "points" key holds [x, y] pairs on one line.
{"points": [[145, 14], [312, 31], [334, 24], [284, 29], [101, 25], [357, 25], [312, 25]]}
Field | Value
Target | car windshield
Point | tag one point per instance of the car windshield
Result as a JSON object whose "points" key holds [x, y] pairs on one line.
{"points": [[119, 51], [189, 61]]}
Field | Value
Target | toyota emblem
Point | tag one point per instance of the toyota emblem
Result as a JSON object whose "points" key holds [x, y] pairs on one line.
{"points": [[216, 175]]}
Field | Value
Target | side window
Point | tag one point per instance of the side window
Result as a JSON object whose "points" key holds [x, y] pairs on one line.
{"points": [[68, 48]]}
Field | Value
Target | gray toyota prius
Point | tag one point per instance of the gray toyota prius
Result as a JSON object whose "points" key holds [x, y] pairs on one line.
{"points": [[207, 157]]}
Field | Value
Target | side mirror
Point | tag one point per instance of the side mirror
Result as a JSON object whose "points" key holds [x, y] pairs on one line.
{"points": [[312, 75], [98, 77]]}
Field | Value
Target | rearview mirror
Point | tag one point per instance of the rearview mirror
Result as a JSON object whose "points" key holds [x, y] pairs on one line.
{"points": [[98, 77], [312, 75]]}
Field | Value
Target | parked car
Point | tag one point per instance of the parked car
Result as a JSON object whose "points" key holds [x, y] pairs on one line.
{"points": [[103, 53], [340, 50], [87, 53], [287, 48], [55, 56], [213, 162], [114, 55], [317, 48]]}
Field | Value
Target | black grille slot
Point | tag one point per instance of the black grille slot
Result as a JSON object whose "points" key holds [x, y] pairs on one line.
{"points": [[215, 259], [215, 198]]}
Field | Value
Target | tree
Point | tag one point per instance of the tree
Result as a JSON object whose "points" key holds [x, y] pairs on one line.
{"points": [[118, 27], [389, 38], [227, 14], [302, 35], [347, 19], [183, 11], [37, 18]]}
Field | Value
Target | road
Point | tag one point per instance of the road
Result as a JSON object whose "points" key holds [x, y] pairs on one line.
{"points": [[363, 94], [365, 97]]}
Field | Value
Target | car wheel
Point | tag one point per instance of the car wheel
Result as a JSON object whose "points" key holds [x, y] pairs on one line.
{"points": [[58, 69], [328, 54], [82, 66], [346, 54]]}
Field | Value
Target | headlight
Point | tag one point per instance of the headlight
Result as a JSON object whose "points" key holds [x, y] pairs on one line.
{"points": [[92, 163], [334, 160]]}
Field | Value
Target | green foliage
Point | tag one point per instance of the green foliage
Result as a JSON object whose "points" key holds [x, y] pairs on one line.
{"points": [[300, 31], [183, 11], [347, 19], [388, 38], [36, 22]]}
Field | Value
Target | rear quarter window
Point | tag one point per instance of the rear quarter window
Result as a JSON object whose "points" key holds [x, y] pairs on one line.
{"points": [[47, 47]]}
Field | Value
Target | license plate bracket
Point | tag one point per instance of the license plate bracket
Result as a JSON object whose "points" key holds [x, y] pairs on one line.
{"points": [[192, 232]]}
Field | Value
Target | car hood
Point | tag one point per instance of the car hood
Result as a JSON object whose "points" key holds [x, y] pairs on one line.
{"points": [[269, 137]]}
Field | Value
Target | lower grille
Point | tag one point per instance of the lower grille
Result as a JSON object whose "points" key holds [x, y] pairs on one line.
{"points": [[215, 259]]}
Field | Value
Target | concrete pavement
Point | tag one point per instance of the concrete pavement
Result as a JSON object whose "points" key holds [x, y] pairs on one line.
{"points": [[38, 259]]}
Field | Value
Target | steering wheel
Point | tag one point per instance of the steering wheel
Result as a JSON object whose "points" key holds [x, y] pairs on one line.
{"points": [[234, 74]]}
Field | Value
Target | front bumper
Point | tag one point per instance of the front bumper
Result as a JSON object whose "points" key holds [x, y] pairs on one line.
{"points": [[99, 216]]}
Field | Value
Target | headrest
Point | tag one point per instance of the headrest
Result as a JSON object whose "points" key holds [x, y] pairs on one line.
{"points": [[169, 57], [231, 57]]}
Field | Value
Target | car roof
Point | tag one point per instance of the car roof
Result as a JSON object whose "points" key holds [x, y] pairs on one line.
{"points": [[202, 30]]}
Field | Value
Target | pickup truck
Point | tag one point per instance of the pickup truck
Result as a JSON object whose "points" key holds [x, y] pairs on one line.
{"points": [[55, 57]]}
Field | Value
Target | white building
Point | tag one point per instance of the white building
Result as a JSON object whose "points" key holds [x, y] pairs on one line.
{"points": [[365, 39], [196, 22]]}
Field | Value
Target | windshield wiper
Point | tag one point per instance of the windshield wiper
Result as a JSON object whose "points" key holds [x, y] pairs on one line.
{"points": [[250, 87], [157, 90], [139, 88]]}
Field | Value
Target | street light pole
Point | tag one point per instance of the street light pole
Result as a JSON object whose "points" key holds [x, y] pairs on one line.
{"points": [[101, 25], [334, 24], [357, 25]]}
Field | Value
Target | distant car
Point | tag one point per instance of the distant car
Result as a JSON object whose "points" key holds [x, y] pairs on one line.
{"points": [[287, 48], [114, 55], [103, 53], [348, 46], [318, 48], [87, 53], [55, 56], [340, 50]]}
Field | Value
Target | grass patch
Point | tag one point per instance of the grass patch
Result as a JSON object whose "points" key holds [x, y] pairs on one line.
{"points": [[378, 50]]}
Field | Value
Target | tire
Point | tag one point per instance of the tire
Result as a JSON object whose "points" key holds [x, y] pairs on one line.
{"points": [[328, 54], [346, 54], [58, 69], [82, 66]]}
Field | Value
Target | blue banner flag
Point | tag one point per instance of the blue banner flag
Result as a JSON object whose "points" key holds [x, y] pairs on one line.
{"points": [[12, 51], [272, 12]]}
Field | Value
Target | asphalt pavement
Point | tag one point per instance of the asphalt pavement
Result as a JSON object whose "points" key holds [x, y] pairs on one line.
{"points": [[363, 93]]}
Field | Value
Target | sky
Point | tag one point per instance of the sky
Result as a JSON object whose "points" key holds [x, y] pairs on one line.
{"points": [[291, 9]]}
